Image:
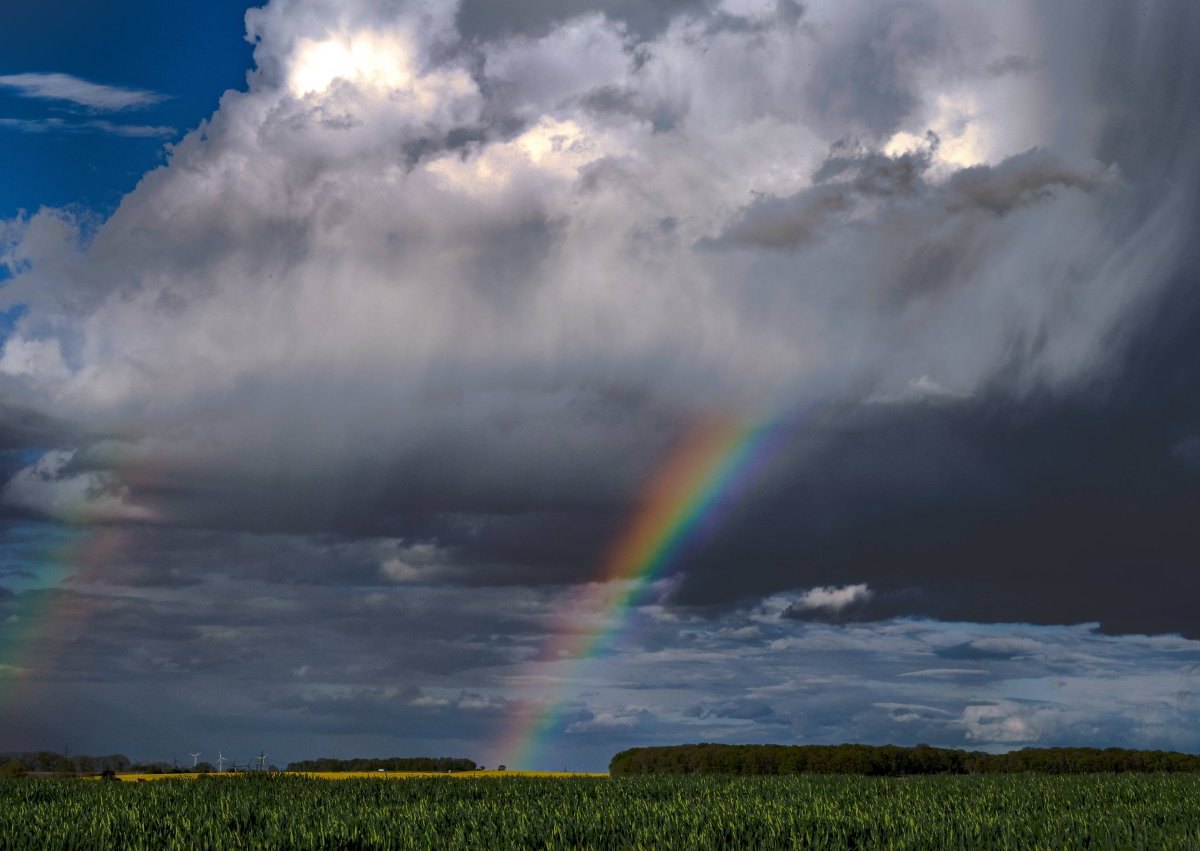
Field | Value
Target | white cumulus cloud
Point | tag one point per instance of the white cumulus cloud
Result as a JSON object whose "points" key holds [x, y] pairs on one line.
{"points": [[48, 487], [832, 598]]}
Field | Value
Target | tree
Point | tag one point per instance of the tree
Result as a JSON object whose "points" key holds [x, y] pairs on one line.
{"points": [[12, 768], [887, 760]]}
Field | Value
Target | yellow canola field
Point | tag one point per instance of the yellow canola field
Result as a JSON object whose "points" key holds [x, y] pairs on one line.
{"points": [[378, 775], [345, 775]]}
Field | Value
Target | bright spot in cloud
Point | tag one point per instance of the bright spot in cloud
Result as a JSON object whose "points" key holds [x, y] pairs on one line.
{"points": [[41, 359], [551, 147], [364, 58], [962, 142]]}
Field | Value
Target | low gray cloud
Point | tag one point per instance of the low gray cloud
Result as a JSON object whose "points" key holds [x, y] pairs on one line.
{"points": [[870, 61], [256, 655], [480, 19], [1011, 64]]}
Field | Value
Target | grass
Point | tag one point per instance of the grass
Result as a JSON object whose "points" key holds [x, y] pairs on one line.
{"points": [[512, 810]]}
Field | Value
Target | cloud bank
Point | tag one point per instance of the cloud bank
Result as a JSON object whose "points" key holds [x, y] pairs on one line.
{"points": [[501, 273], [443, 286]]}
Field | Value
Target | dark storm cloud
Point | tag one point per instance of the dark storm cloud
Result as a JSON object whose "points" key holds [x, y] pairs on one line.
{"points": [[748, 710], [1010, 64], [866, 74], [1065, 507], [1066, 510], [850, 177], [874, 174], [21, 428], [1150, 88], [369, 378], [788, 223], [645, 18], [1024, 179], [522, 499]]}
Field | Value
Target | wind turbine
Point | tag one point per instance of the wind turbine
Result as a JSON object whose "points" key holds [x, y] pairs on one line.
{"points": [[262, 761], [194, 756], [220, 761]]}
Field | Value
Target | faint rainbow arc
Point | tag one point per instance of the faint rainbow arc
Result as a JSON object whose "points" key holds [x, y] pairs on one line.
{"points": [[79, 548], [44, 619]]}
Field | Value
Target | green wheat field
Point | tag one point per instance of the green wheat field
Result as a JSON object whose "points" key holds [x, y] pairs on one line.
{"points": [[1154, 811]]}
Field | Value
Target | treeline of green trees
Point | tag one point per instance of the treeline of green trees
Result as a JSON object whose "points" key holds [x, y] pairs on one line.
{"points": [[49, 761], [395, 763], [888, 760]]}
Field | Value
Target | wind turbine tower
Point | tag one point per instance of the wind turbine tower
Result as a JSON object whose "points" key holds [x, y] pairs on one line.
{"points": [[220, 761], [194, 756]]}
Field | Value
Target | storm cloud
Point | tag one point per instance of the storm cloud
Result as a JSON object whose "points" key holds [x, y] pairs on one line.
{"points": [[423, 308]]}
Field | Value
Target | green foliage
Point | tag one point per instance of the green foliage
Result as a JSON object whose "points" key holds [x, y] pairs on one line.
{"points": [[271, 811], [395, 763], [149, 768], [889, 760], [49, 761], [12, 768]]}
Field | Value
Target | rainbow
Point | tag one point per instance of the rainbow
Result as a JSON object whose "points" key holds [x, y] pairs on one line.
{"points": [[47, 551], [46, 615], [31, 633], [707, 474]]}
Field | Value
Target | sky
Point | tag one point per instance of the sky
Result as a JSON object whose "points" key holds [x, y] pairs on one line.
{"points": [[530, 380]]}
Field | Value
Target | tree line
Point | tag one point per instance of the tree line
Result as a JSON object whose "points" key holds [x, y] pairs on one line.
{"points": [[15, 764], [20, 762], [395, 763], [889, 760]]}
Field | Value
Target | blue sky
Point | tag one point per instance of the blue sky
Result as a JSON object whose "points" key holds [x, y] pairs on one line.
{"points": [[318, 425], [188, 52]]}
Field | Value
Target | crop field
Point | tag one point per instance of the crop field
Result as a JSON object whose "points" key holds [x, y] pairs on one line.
{"points": [[1009, 811]]}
